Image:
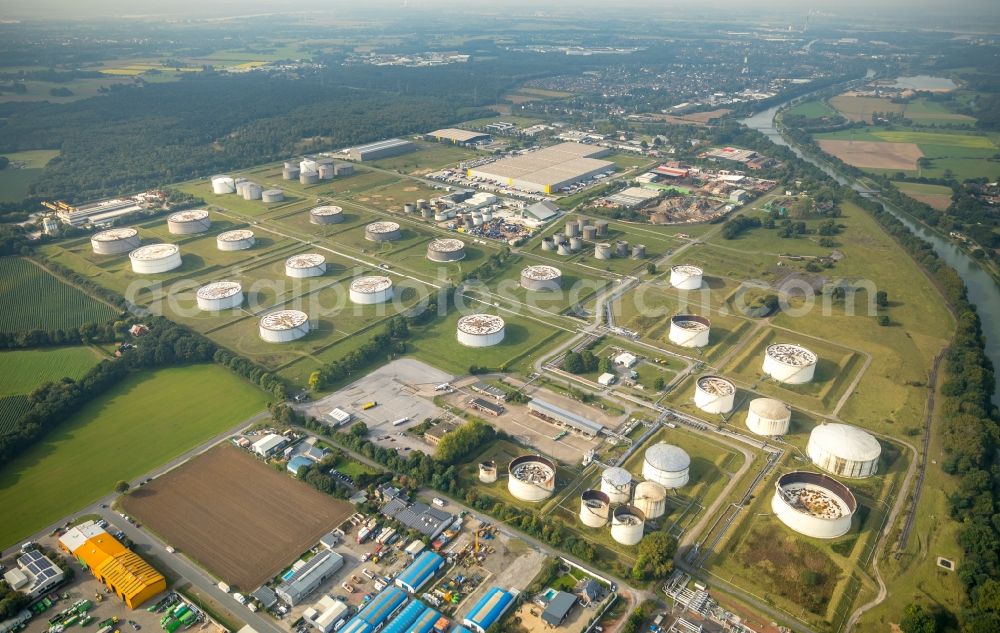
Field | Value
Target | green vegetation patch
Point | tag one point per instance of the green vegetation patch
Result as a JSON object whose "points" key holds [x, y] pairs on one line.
{"points": [[23, 370], [35, 299]]}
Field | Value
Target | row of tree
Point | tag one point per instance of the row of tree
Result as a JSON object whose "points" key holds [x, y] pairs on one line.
{"points": [[387, 344]]}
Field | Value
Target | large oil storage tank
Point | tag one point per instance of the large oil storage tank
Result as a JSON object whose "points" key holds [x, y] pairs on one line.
{"points": [[572, 229], [602, 251], [548, 244], [236, 240], [667, 465], [480, 330], [627, 524], [813, 504], [223, 184], [326, 171], [487, 472], [155, 258], [684, 277], [575, 243], [616, 482], [189, 222], [272, 195], [253, 191], [446, 249], [219, 295], [595, 508], [115, 241], [283, 326], [844, 450], [541, 278], [689, 330], [790, 364], [714, 394], [532, 478], [370, 290], [382, 232], [651, 498], [589, 233], [427, 213], [768, 416], [305, 265], [308, 166], [326, 214], [308, 178], [564, 249], [290, 171]]}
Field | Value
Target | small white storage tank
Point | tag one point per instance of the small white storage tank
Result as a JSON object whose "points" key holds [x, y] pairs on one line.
{"points": [[326, 214], [813, 504], [685, 277], [768, 416], [531, 478], [844, 450], [627, 524], [308, 166], [382, 232], [238, 240], [689, 330], [602, 251], [480, 330], [616, 482], [714, 394], [326, 171], [488, 472], [564, 249], [252, 191], [651, 499], [370, 290], [220, 295], [155, 258], [189, 222], [223, 184], [273, 195], [667, 465], [115, 241], [446, 250], [305, 265], [283, 326], [595, 508], [790, 364], [308, 178], [541, 278]]}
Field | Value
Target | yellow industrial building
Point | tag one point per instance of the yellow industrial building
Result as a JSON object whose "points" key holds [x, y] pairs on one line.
{"points": [[123, 571]]}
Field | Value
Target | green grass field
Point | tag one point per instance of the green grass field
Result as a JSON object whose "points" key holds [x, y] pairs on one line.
{"points": [[141, 423], [924, 112], [23, 370], [11, 409], [937, 196], [812, 109], [34, 299]]}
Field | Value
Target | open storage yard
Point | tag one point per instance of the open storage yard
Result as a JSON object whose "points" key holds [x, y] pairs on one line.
{"points": [[240, 519]]}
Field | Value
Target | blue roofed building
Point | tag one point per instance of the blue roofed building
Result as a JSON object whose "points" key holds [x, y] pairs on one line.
{"points": [[382, 607], [297, 462], [425, 623], [488, 610], [419, 572], [460, 629], [356, 626], [402, 622]]}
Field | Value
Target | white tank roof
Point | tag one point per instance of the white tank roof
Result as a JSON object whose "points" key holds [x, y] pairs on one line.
{"points": [[327, 210], [480, 324], [305, 260], [690, 322], [617, 476], [193, 215], [114, 234], [848, 442], [687, 269], [283, 320], [153, 252], [769, 408], [382, 227], [219, 290], [650, 490], [371, 285], [792, 355], [446, 245], [716, 385], [667, 457], [235, 236], [541, 273]]}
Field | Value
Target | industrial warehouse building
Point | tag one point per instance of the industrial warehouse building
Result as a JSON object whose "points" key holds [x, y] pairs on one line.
{"points": [[547, 170], [553, 413], [269, 444], [558, 608], [418, 516], [488, 610], [457, 136], [306, 578], [379, 610], [326, 614], [419, 572], [381, 149], [126, 574]]}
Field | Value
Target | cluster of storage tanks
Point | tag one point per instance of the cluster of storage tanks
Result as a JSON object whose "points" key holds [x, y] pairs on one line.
{"points": [[480, 330], [223, 184], [310, 171]]}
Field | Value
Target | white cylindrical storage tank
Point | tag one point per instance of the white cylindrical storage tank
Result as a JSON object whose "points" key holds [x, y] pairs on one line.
{"points": [[370, 290], [428, 213], [602, 251], [487, 215], [480, 330], [602, 228], [326, 214], [639, 251], [548, 244], [813, 504], [326, 171], [541, 278], [686, 277], [272, 195], [572, 229], [844, 450], [290, 173], [564, 249], [488, 472], [768, 416], [305, 265], [714, 394], [477, 219], [238, 240], [589, 233], [308, 166], [283, 326], [440, 216], [223, 184], [220, 295], [189, 222], [595, 508], [790, 364], [689, 330], [446, 249], [531, 478], [115, 241], [627, 524], [308, 178], [409, 207], [651, 498], [382, 232], [667, 465], [621, 248], [616, 482], [575, 243], [155, 258], [252, 191]]}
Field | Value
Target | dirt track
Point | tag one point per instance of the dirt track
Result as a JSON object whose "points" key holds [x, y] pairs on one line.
{"points": [[874, 154], [241, 520]]}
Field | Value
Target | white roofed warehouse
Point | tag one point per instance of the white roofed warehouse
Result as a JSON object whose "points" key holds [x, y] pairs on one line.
{"points": [[844, 450], [381, 149], [547, 170]]}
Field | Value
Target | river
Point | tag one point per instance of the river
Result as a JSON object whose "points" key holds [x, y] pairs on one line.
{"points": [[982, 289]]}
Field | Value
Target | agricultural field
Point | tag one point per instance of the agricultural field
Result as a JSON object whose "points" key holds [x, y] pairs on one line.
{"points": [[937, 196], [111, 439], [11, 410], [812, 109], [857, 108], [24, 370], [925, 112], [430, 156], [240, 519], [35, 299]]}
